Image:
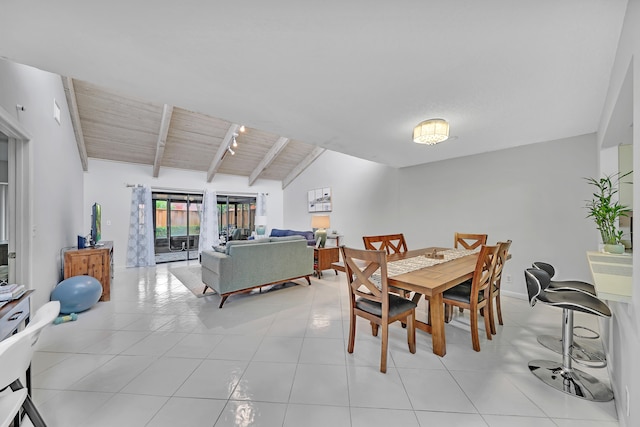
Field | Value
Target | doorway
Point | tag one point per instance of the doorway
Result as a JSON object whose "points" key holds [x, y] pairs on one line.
{"points": [[176, 225], [4, 209], [18, 193]]}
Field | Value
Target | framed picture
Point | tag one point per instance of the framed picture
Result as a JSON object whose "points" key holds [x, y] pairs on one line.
{"points": [[319, 200]]}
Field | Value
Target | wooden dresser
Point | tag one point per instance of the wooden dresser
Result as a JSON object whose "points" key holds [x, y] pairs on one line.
{"points": [[95, 262]]}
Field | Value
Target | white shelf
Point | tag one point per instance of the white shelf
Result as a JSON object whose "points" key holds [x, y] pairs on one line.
{"points": [[610, 276]]}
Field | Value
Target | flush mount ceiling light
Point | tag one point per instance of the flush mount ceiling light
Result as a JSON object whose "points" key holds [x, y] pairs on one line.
{"points": [[431, 132]]}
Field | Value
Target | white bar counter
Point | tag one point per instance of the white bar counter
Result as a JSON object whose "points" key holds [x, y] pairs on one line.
{"points": [[612, 275]]}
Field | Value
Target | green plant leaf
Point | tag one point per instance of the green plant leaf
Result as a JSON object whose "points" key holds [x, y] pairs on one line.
{"points": [[604, 212]]}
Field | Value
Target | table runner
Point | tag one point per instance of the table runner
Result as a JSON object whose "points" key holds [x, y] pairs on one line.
{"points": [[395, 268]]}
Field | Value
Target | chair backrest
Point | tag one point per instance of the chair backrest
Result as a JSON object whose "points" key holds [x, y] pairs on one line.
{"points": [[43, 317], [503, 252], [360, 265], [469, 241], [537, 280], [390, 243], [15, 357], [483, 274], [546, 267]]}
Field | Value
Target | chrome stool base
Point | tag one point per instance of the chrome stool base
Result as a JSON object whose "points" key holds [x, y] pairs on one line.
{"points": [[582, 351], [571, 381]]}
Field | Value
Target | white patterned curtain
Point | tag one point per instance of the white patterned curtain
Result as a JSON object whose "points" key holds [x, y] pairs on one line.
{"points": [[261, 204], [140, 248], [209, 235]]}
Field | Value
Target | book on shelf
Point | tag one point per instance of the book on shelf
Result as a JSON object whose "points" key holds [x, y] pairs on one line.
{"points": [[12, 294]]}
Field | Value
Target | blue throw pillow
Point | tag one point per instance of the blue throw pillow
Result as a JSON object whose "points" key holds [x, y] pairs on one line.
{"points": [[278, 233]]}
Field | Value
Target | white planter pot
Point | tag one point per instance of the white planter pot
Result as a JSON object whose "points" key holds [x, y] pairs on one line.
{"points": [[614, 249]]}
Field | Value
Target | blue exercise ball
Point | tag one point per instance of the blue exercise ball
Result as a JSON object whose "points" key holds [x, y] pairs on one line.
{"points": [[77, 293]]}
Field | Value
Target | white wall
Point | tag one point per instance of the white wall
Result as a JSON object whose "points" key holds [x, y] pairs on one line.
{"points": [[624, 336], [364, 197], [533, 195], [56, 171], [106, 181]]}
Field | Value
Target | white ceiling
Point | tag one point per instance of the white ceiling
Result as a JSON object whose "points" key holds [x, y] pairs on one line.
{"points": [[352, 76]]}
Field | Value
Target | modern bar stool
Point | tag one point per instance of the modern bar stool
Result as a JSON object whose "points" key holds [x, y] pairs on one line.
{"points": [[584, 349], [561, 375]]}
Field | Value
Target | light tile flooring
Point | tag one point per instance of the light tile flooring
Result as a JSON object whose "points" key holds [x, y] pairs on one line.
{"points": [[176, 256], [158, 356]]}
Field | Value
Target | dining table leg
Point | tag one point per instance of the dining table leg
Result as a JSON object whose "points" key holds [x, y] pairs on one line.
{"points": [[438, 339]]}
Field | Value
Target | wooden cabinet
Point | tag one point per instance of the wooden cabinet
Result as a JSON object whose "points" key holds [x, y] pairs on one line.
{"points": [[323, 257], [95, 262]]}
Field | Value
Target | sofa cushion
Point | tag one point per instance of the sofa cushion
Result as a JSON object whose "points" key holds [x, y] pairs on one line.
{"points": [[233, 243], [286, 238]]}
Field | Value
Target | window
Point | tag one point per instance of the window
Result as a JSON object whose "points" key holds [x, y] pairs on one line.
{"points": [[236, 217]]}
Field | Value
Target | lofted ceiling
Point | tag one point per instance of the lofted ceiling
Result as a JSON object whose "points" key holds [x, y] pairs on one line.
{"points": [[349, 76], [110, 126]]}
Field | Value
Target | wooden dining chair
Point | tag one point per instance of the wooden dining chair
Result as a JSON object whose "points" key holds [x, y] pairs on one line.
{"points": [[372, 301], [469, 241], [390, 243], [476, 295], [466, 241], [503, 253]]}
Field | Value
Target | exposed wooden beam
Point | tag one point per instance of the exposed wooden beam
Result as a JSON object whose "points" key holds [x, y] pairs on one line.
{"points": [[222, 150], [167, 111], [305, 163], [275, 150], [72, 102]]}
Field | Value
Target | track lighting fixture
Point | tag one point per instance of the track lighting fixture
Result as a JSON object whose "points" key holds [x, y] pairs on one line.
{"points": [[235, 143], [231, 151]]}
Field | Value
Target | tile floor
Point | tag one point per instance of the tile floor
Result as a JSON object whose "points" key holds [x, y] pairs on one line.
{"points": [[176, 256], [158, 356]]}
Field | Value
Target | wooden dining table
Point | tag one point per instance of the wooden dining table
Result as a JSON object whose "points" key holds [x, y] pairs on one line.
{"points": [[432, 282]]}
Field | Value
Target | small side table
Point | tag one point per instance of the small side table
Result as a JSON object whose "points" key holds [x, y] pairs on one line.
{"points": [[323, 257], [335, 237]]}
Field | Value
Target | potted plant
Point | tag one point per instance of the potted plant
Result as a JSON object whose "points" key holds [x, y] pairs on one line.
{"points": [[605, 210]]}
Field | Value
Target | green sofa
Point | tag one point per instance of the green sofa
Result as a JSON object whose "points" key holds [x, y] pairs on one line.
{"points": [[243, 265]]}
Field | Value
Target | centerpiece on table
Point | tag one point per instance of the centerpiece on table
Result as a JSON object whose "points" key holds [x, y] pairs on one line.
{"points": [[606, 211]]}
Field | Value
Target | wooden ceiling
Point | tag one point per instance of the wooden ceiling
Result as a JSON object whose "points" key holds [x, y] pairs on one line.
{"points": [[112, 126]]}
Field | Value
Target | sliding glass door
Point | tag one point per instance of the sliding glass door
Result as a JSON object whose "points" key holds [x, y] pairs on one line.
{"points": [[176, 222], [236, 217]]}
